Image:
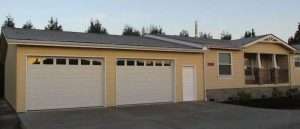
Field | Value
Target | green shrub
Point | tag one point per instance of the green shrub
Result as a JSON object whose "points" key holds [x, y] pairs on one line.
{"points": [[244, 96], [276, 93], [263, 96], [293, 93]]}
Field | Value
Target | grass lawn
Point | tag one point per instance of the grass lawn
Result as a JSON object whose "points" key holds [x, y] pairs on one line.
{"points": [[273, 103]]}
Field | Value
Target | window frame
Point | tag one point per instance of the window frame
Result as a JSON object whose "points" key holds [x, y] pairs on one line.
{"points": [[92, 62], [295, 60], [45, 58], [78, 61], [139, 61], [66, 61], [85, 59], [231, 66], [121, 60]]}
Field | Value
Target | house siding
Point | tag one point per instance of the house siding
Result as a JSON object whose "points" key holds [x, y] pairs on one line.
{"points": [[110, 57], [295, 72], [10, 75]]}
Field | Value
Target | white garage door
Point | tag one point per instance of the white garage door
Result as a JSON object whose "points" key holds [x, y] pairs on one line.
{"points": [[144, 81], [56, 82]]}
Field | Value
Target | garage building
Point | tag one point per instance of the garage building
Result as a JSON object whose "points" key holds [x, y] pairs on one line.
{"points": [[56, 70]]}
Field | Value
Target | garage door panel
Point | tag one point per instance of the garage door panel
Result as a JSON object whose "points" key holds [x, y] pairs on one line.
{"points": [[64, 86], [144, 84]]}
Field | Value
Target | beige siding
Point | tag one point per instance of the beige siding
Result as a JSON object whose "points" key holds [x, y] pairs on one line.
{"points": [[295, 72], [267, 48], [10, 75], [213, 81], [110, 57], [237, 80]]}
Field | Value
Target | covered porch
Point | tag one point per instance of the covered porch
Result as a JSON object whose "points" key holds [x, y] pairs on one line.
{"points": [[266, 68]]}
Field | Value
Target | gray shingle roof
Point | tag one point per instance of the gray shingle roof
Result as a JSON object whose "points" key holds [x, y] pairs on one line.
{"points": [[297, 47], [216, 43], [76, 37]]}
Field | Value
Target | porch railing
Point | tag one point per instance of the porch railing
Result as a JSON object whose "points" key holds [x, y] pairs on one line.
{"points": [[266, 76]]}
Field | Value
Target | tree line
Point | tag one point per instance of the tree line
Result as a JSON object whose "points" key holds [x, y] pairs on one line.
{"points": [[96, 27]]}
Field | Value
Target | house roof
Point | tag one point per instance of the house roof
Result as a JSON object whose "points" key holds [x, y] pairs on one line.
{"points": [[216, 43], [297, 47], [87, 38]]}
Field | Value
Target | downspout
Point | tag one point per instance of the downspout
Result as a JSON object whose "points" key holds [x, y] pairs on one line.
{"points": [[290, 60], [205, 49]]}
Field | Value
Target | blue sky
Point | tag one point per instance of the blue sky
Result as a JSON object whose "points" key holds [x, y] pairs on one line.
{"points": [[279, 17]]}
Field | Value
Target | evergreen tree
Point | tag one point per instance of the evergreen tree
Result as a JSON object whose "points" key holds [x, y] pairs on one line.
{"points": [[226, 36], [53, 25], [296, 38], [204, 35], [253, 33], [28, 25], [249, 34], [130, 31], [184, 33], [96, 27], [156, 30], [9, 22]]}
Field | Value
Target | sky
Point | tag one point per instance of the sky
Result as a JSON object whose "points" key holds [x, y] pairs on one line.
{"points": [[279, 17]]}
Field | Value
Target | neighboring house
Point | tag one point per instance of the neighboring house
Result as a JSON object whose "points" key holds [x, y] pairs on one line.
{"points": [[51, 70]]}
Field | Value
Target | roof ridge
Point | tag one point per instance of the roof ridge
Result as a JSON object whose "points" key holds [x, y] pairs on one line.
{"points": [[74, 32]]}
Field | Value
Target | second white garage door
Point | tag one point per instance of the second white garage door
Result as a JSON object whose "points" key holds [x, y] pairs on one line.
{"points": [[144, 81], [58, 82]]}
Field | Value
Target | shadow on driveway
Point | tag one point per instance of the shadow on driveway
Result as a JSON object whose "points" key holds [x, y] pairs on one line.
{"points": [[8, 117], [164, 116]]}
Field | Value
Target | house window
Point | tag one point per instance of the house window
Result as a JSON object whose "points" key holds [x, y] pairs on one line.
{"points": [[97, 62], [167, 63], [60, 61], [225, 66], [85, 62], [120, 62], [34, 61], [130, 62], [73, 61], [297, 61], [149, 63], [48, 61], [140, 63], [158, 63]]}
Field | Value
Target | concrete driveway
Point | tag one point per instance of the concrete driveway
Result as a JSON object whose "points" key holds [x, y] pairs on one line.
{"points": [[165, 116]]}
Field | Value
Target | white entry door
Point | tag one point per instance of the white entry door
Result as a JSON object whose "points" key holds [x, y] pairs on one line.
{"points": [[189, 84], [144, 81], [61, 82]]}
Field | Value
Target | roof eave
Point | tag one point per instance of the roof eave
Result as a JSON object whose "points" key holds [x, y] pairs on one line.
{"points": [[93, 45]]}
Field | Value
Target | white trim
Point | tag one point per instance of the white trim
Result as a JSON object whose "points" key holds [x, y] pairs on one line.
{"points": [[194, 79], [93, 45], [274, 59], [279, 41], [258, 56], [224, 77]]}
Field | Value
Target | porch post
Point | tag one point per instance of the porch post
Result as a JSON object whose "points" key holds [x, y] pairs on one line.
{"points": [[260, 71], [275, 69], [259, 60]]}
